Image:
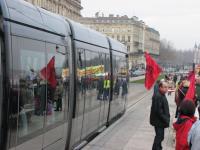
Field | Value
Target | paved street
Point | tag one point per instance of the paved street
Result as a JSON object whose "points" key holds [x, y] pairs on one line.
{"points": [[136, 78], [132, 131]]}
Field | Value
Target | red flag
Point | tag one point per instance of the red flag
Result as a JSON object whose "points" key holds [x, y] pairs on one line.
{"points": [[152, 71], [191, 90], [48, 73]]}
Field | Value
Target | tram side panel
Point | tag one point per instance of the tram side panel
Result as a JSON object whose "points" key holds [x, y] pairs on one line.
{"points": [[93, 66]]}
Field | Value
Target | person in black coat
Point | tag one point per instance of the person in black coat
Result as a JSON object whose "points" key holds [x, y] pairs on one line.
{"points": [[159, 117]]}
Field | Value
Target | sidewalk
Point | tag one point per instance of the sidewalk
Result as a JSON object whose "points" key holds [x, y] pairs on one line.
{"points": [[133, 131], [136, 78]]}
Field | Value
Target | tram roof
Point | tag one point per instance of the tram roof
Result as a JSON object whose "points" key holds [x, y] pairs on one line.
{"points": [[117, 46], [85, 34], [19, 11], [22, 12]]}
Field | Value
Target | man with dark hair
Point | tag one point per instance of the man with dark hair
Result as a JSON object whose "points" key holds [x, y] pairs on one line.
{"points": [[159, 117]]}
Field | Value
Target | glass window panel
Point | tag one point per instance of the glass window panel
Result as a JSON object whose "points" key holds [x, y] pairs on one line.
{"points": [[31, 91], [58, 83], [26, 116]]}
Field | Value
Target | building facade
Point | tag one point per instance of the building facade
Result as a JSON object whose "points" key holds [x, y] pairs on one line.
{"points": [[132, 32], [67, 8]]}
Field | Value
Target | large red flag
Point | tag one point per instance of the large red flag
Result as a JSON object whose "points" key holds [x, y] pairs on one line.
{"points": [[191, 90], [48, 73], [152, 71]]}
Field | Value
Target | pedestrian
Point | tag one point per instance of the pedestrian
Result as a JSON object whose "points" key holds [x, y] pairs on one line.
{"points": [[180, 94], [117, 87], [100, 86], [58, 96], [184, 123], [106, 88], [124, 87], [175, 79], [194, 134], [159, 117]]}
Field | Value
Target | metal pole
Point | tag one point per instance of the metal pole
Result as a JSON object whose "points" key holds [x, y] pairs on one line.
{"points": [[193, 66]]}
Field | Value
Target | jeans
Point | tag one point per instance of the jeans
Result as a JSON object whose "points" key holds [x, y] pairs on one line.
{"points": [[159, 137]]}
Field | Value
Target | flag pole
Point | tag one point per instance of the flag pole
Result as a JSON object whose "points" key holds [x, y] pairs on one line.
{"points": [[194, 67]]}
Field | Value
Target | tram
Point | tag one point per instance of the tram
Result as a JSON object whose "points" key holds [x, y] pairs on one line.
{"points": [[61, 84]]}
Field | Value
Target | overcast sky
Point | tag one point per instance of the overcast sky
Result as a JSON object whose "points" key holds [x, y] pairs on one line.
{"points": [[177, 20]]}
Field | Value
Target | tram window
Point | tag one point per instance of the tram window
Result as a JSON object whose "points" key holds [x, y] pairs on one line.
{"points": [[35, 99], [27, 92], [31, 92], [120, 75], [57, 93], [94, 69]]}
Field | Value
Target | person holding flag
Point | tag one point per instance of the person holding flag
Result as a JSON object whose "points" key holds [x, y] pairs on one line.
{"points": [[159, 115], [47, 89], [186, 112]]}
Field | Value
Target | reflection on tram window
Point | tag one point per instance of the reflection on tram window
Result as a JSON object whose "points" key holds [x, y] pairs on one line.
{"points": [[93, 79], [32, 92], [120, 76], [57, 97], [41, 89]]}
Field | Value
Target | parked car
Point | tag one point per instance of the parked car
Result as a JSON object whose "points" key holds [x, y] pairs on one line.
{"points": [[137, 73]]}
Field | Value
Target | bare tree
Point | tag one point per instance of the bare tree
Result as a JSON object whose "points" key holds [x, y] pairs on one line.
{"points": [[170, 55]]}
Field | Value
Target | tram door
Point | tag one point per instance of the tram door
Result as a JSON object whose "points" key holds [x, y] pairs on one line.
{"points": [[120, 84], [91, 105], [57, 94]]}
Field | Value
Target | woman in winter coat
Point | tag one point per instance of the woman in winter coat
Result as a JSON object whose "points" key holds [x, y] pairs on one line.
{"points": [[184, 123]]}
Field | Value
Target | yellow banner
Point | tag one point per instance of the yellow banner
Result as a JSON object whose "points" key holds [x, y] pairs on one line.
{"points": [[91, 70]]}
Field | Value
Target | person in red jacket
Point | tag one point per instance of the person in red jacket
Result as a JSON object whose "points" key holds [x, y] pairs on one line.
{"points": [[184, 123]]}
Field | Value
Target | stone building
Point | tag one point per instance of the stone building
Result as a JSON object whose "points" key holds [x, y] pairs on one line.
{"points": [[68, 8], [132, 32]]}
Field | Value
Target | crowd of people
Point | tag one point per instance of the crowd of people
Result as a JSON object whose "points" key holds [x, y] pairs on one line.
{"points": [[186, 126]]}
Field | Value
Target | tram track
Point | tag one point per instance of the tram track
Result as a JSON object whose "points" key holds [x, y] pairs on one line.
{"points": [[129, 107]]}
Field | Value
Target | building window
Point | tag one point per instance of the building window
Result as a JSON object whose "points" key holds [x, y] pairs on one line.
{"points": [[123, 38], [118, 37], [128, 48], [129, 38], [113, 29]]}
